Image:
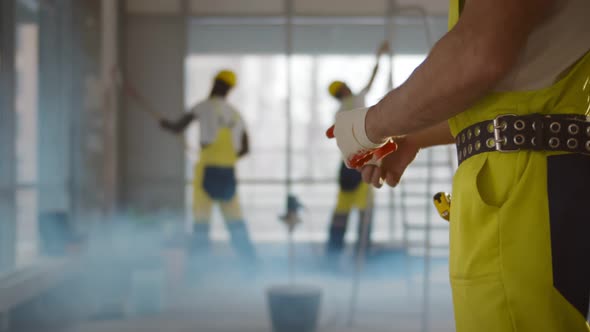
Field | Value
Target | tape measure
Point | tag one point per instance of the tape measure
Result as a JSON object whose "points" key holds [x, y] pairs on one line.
{"points": [[442, 202]]}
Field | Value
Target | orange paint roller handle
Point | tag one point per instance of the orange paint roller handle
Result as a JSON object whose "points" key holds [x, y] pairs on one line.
{"points": [[386, 149], [330, 132]]}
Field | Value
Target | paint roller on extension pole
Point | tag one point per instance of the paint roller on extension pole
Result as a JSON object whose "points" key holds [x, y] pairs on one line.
{"points": [[366, 220], [365, 226], [389, 34], [130, 91], [141, 101]]}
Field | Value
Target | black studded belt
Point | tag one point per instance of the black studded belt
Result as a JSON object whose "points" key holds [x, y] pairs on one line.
{"points": [[540, 132]]}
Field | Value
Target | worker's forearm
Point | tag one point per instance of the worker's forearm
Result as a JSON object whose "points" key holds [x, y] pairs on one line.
{"points": [[439, 134], [175, 128], [463, 67], [180, 125], [447, 83]]}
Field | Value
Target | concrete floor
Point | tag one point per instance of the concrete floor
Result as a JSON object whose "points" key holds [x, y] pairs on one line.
{"points": [[391, 296]]}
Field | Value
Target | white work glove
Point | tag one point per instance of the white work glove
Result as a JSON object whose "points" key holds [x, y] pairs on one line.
{"points": [[351, 137]]}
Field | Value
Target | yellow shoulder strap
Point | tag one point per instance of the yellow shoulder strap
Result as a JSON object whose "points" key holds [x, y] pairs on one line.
{"points": [[455, 7]]}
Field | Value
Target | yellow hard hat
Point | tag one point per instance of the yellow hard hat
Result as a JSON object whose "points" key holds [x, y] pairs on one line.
{"points": [[227, 76], [335, 87]]}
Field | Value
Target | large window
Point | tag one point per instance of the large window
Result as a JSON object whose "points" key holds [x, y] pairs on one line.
{"points": [[260, 96], [322, 53]]}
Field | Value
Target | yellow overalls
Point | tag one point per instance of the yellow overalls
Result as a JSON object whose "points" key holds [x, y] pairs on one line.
{"points": [[360, 198], [215, 182], [219, 154], [519, 234]]}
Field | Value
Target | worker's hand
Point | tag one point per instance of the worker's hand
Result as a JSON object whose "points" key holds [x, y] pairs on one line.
{"points": [[383, 48], [165, 124], [356, 148], [392, 166]]}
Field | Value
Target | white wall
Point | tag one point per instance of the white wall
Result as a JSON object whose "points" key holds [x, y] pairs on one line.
{"points": [[152, 161]]}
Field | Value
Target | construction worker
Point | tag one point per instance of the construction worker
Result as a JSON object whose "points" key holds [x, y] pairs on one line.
{"points": [[223, 140], [353, 193], [509, 84]]}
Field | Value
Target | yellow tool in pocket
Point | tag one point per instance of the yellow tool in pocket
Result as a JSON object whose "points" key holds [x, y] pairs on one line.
{"points": [[442, 202]]}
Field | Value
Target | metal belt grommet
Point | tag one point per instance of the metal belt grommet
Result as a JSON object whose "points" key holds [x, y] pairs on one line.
{"points": [[490, 143], [500, 142], [555, 127], [519, 139], [519, 125], [573, 129], [477, 131], [554, 142], [490, 128], [572, 143]]}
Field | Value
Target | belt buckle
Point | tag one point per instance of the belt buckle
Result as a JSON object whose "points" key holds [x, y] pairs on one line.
{"points": [[499, 127]]}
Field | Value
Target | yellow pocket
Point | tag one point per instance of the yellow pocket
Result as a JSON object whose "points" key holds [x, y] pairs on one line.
{"points": [[480, 305], [474, 242], [499, 174]]}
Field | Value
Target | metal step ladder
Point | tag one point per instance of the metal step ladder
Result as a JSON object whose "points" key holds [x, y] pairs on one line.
{"points": [[431, 172]]}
